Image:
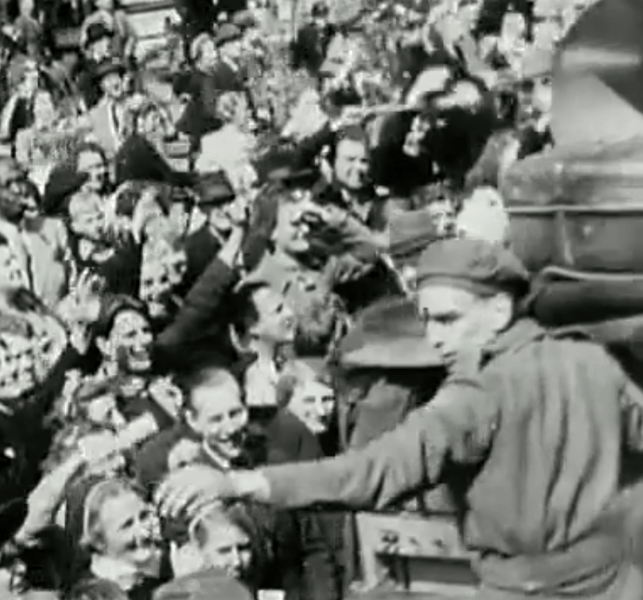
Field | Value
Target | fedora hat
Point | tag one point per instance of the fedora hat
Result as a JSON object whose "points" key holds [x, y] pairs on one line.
{"points": [[388, 334], [108, 67]]}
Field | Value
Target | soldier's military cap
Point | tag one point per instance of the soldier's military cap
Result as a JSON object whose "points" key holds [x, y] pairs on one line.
{"points": [[474, 265], [205, 585]]}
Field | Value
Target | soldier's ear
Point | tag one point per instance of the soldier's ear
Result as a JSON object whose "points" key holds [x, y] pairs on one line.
{"points": [[501, 311]]}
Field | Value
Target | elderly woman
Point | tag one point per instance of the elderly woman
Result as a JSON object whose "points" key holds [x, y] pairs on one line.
{"points": [[231, 147], [121, 535]]}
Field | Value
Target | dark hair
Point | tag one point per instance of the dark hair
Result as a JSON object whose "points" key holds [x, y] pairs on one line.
{"points": [[245, 313], [90, 146], [353, 133], [114, 305]]}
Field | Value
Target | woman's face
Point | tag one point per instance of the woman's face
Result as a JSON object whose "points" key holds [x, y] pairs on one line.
{"points": [[130, 531], [313, 404], [130, 342], [276, 320], [87, 216], [228, 548], [159, 277], [93, 164]]}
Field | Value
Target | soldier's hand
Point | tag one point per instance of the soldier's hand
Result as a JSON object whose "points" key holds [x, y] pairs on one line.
{"points": [[191, 487]]}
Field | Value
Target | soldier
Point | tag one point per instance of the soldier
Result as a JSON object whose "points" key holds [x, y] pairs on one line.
{"points": [[545, 418]]}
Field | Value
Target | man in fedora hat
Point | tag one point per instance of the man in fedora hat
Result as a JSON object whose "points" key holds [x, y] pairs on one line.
{"points": [[544, 417], [97, 49], [108, 117], [312, 41], [228, 74], [214, 197]]}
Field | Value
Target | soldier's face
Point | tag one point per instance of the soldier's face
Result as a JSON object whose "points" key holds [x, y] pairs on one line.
{"points": [[456, 320]]}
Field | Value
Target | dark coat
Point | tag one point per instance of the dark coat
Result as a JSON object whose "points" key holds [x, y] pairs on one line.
{"points": [[310, 47], [202, 322], [201, 248]]}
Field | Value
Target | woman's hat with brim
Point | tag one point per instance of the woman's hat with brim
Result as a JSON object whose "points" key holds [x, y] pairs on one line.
{"points": [[109, 67], [227, 33], [63, 182], [388, 334]]}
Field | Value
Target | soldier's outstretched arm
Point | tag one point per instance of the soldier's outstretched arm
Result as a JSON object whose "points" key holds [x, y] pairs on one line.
{"points": [[457, 426]]}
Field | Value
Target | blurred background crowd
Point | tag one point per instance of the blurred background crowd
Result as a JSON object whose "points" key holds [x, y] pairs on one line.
{"points": [[202, 244]]}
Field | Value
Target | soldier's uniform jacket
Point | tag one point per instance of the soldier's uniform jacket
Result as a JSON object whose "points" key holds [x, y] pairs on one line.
{"points": [[546, 423]]}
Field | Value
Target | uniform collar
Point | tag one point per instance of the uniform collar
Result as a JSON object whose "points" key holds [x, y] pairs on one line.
{"points": [[520, 333]]}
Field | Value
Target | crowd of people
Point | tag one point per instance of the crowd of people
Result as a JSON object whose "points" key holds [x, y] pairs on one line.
{"points": [[218, 265]]}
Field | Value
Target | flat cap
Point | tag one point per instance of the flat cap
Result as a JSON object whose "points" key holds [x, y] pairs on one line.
{"points": [[388, 334], [206, 585], [474, 265], [227, 33]]}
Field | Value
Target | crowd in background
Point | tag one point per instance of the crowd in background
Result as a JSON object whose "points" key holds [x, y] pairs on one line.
{"points": [[188, 243]]}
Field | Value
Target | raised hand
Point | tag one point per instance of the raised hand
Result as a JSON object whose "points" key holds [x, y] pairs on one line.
{"points": [[189, 489]]}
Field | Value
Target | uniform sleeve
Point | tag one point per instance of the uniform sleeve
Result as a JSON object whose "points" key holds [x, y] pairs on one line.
{"points": [[632, 413], [457, 426]]}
